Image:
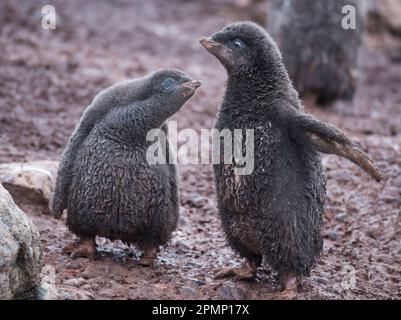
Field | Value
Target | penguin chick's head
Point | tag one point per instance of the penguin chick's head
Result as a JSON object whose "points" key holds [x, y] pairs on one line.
{"points": [[242, 47], [173, 86]]}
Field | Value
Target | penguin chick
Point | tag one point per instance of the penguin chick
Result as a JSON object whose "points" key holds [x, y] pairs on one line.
{"points": [[320, 55], [120, 94], [275, 213], [113, 191]]}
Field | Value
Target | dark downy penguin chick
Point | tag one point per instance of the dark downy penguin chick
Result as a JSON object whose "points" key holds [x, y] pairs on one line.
{"points": [[118, 95], [320, 56], [277, 211], [108, 187]]}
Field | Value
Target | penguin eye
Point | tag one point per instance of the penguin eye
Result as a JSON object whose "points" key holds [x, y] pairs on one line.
{"points": [[168, 83], [238, 43]]}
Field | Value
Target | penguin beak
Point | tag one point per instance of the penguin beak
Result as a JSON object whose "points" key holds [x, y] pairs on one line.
{"points": [[192, 84], [190, 87], [219, 50], [209, 44]]}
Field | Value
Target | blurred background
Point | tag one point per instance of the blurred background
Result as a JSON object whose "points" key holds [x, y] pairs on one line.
{"points": [[48, 77]]}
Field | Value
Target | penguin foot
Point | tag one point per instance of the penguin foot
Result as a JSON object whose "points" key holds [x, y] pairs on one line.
{"points": [[238, 274], [147, 262], [85, 248], [148, 259], [290, 288]]}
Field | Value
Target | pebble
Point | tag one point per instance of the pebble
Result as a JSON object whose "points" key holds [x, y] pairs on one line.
{"points": [[197, 282], [232, 291], [75, 282], [321, 280], [181, 246], [188, 291], [373, 232], [333, 235], [73, 265]]}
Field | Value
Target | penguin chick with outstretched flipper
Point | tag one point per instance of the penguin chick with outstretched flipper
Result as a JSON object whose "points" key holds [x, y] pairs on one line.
{"points": [[276, 212]]}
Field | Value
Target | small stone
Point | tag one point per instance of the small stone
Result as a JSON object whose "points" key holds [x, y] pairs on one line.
{"points": [[341, 217], [232, 291], [188, 291], [75, 282], [47, 289], [197, 201], [74, 265], [333, 235], [197, 282], [183, 217], [321, 280], [87, 287], [30, 183], [181, 246], [373, 232]]}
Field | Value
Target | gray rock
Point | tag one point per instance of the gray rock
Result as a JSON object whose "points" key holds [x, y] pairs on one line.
{"points": [[333, 235], [233, 291], [181, 246], [30, 183], [188, 292], [197, 282], [47, 289], [74, 265], [20, 251], [71, 293], [75, 282]]}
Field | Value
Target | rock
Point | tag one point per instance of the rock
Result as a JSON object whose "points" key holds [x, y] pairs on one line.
{"points": [[233, 291], [374, 232], [391, 195], [71, 293], [333, 235], [387, 14], [197, 282], [322, 280], [74, 282], [197, 201], [183, 217], [20, 251], [47, 289], [181, 246], [188, 292], [30, 183], [73, 265]]}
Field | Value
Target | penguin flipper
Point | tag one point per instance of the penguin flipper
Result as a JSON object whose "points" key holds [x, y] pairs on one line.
{"points": [[64, 176], [91, 116], [326, 138]]}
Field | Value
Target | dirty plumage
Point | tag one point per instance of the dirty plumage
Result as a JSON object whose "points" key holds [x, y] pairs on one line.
{"points": [[277, 211], [120, 94], [321, 57], [110, 188]]}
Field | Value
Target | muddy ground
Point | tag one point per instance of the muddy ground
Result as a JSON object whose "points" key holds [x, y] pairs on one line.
{"points": [[47, 78]]}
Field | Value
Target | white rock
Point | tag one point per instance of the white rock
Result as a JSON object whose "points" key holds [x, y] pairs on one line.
{"points": [[30, 183], [47, 289], [20, 251]]}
